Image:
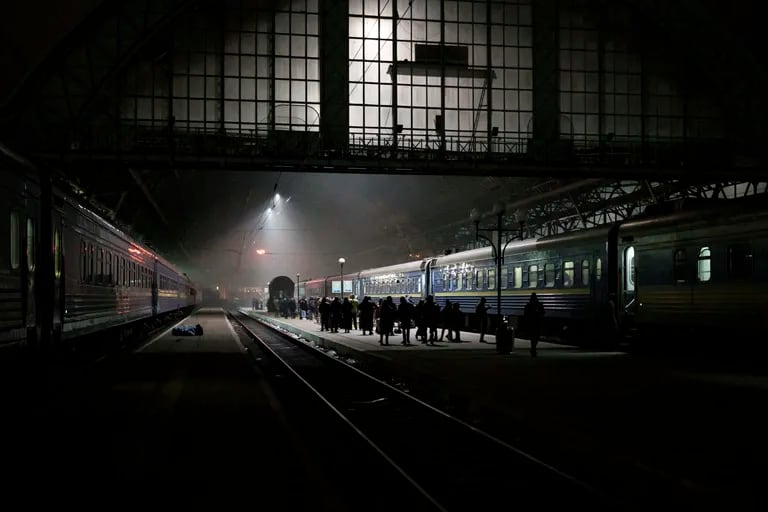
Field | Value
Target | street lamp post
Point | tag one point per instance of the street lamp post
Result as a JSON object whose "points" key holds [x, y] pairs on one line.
{"points": [[341, 290], [498, 250]]}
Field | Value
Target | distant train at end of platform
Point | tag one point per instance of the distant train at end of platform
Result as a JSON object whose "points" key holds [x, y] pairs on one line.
{"points": [[671, 272]]}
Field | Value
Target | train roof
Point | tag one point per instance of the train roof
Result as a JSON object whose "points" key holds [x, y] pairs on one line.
{"points": [[484, 253], [102, 222], [410, 266]]}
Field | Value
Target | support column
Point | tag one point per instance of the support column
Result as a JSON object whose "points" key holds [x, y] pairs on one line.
{"points": [[546, 77], [334, 75]]}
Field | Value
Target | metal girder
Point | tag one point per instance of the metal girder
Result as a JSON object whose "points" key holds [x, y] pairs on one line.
{"points": [[467, 167], [79, 72], [583, 205]]}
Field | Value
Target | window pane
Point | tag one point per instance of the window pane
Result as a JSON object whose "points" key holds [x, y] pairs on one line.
{"points": [[739, 261], [585, 272], [15, 241], [533, 276], [504, 277], [598, 269], [567, 274], [704, 270], [518, 277], [549, 274], [680, 262], [491, 279], [30, 245]]}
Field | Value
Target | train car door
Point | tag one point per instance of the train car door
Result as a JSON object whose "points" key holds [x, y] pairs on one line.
{"points": [[58, 277], [628, 279], [29, 261]]}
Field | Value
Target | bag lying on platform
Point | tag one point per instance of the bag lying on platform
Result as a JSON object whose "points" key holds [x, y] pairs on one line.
{"points": [[188, 330]]}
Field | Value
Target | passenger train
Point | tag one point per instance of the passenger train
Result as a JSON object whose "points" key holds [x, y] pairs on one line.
{"points": [[65, 271], [673, 270]]}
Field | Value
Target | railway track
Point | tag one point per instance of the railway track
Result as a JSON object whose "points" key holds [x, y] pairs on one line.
{"points": [[451, 464]]}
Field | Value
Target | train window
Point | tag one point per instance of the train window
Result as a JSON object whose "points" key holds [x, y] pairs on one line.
{"points": [[567, 274], [108, 269], [491, 279], [504, 277], [533, 276], [84, 261], [704, 265], [460, 281], [739, 261], [124, 268], [629, 269], [57, 254], [518, 277], [680, 262], [598, 269], [15, 235], [90, 263], [585, 272], [30, 244], [100, 266], [481, 280], [549, 275]]}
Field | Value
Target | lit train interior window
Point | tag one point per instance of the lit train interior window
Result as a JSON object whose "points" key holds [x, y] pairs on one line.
{"points": [[30, 244], [481, 279], [518, 277], [585, 272], [477, 279], [533, 276], [504, 277], [469, 280], [460, 281], [15, 241], [491, 279], [681, 262], [57, 254], [704, 265], [549, 275], [598, 269], [568, 273], [629, 269], [739, 261]]}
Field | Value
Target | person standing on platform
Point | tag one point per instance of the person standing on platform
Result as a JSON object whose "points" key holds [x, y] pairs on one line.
{"points": [[405, 312], [482, 316], [456, 318], [386, 320], [355, 310], [532, 316], [325, 315], [346, 314], [366, 315], [335, 314]]}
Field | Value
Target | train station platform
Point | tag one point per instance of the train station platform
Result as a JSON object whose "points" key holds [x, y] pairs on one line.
{"points": [[354, 340], [648, 428], [182, 409]]}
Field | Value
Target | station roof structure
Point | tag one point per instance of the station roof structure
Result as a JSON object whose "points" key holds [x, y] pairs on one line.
{"points": [[580, 112]]}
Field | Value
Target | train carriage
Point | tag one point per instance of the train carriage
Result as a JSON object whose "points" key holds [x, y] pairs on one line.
{"points": [[703, 270], [402, 280], [67, 271]]}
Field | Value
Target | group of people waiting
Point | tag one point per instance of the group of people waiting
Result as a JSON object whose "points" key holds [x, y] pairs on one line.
{"points": [[426, 316]]}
